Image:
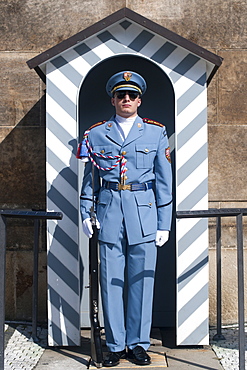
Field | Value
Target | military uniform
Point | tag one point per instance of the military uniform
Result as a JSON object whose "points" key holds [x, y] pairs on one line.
{"points": [[132, 185]]}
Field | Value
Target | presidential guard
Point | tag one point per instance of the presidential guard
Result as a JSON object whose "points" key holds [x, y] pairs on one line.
{"points": [[128, 169]]}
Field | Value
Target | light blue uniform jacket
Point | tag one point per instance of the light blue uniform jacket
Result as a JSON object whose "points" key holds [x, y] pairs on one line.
{"points": [[143, 212]]}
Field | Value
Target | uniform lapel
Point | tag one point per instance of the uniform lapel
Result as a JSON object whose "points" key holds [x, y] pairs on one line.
{"points": [[135, 132], [113, 132]]}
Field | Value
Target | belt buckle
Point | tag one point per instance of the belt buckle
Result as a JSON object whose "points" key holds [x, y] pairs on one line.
{"points": [[124, 187]]}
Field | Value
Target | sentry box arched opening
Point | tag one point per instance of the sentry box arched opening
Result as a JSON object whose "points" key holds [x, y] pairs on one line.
{"points": [[158, 104], [177, 72]]}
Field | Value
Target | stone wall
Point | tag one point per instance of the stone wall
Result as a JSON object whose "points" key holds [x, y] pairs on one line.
{"points": [[30, 27]]}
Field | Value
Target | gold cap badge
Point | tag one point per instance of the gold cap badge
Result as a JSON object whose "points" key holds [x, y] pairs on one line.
{"points": [[127, 76]]}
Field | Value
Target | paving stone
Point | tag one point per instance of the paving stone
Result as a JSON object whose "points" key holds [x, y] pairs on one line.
{"points": [[227, 349], [21, 353]]}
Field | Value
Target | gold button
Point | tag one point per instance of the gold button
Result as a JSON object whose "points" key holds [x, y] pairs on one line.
{"points": [[146, 150], [139, 124], [124, 152], [150, 204], [102, 151], [109, 124], [125, 177], [126, 169]]}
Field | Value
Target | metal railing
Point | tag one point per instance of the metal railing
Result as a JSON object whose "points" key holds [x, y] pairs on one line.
{"points": [[218, 214], [36, 216], [211, 213]]}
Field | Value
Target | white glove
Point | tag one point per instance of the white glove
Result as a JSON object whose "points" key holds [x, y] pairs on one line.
{"points": [[84, 159], [87, 227], [161, 237]]}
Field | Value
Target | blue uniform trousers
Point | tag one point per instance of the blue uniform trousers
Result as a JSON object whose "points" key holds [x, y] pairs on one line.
{"points": [[127, 279]]}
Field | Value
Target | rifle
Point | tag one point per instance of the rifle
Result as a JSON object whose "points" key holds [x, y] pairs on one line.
{"points": [[96, 346]]}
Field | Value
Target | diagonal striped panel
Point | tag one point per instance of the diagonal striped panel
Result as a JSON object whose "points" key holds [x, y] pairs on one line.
{"points": [[192, 193], [62, 257], [141, 40], [65, 74]]}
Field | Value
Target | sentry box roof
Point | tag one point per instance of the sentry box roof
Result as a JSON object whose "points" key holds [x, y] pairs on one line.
{"points": [[122, 17]]}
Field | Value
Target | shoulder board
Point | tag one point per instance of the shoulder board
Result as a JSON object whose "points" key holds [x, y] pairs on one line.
{"points": [[147, 120], [96, 124], [93, 126]]}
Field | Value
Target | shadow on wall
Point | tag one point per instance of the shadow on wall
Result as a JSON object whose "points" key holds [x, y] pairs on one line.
{"points": [[23, 186], [22, 154], [62, 247]]}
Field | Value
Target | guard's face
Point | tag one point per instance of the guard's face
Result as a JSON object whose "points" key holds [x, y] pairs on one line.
{"points": [[125, 105]]}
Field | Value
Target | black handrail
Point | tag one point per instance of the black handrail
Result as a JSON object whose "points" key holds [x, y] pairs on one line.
{"points": [[36, 216], [218, 213]]}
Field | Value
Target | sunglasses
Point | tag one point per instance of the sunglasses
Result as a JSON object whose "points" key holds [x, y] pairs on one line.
{"points": [[132, 95]]}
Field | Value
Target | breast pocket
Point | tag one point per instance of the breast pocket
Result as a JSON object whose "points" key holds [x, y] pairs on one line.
{"points": [[145, 154], [104, 155]]}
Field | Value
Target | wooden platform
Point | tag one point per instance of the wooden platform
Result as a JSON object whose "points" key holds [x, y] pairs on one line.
{"points": [[158, 360]]}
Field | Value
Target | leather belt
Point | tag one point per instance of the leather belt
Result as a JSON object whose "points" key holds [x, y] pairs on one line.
{"points": [[132, 187]]}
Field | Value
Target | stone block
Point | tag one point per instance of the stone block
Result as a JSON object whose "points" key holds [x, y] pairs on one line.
{"points": [[212, 101], [228, 233], [10, 282], [232, 76], [22, 176], [19, 278], [215, 24], [42, 24], [229, 286], [4, 132], [227, 159], [20, 234], [20, 92]]}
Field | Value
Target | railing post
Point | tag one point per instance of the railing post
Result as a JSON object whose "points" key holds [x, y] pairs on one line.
{"points": [[218, 335], [240, 256], [2, 286], [35, 279]]}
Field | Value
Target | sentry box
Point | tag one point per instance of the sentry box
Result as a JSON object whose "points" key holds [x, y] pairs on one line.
{"points": [[177, 72]]}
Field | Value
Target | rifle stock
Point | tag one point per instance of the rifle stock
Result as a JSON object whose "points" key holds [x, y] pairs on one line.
{"points": [[96, 346]]}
